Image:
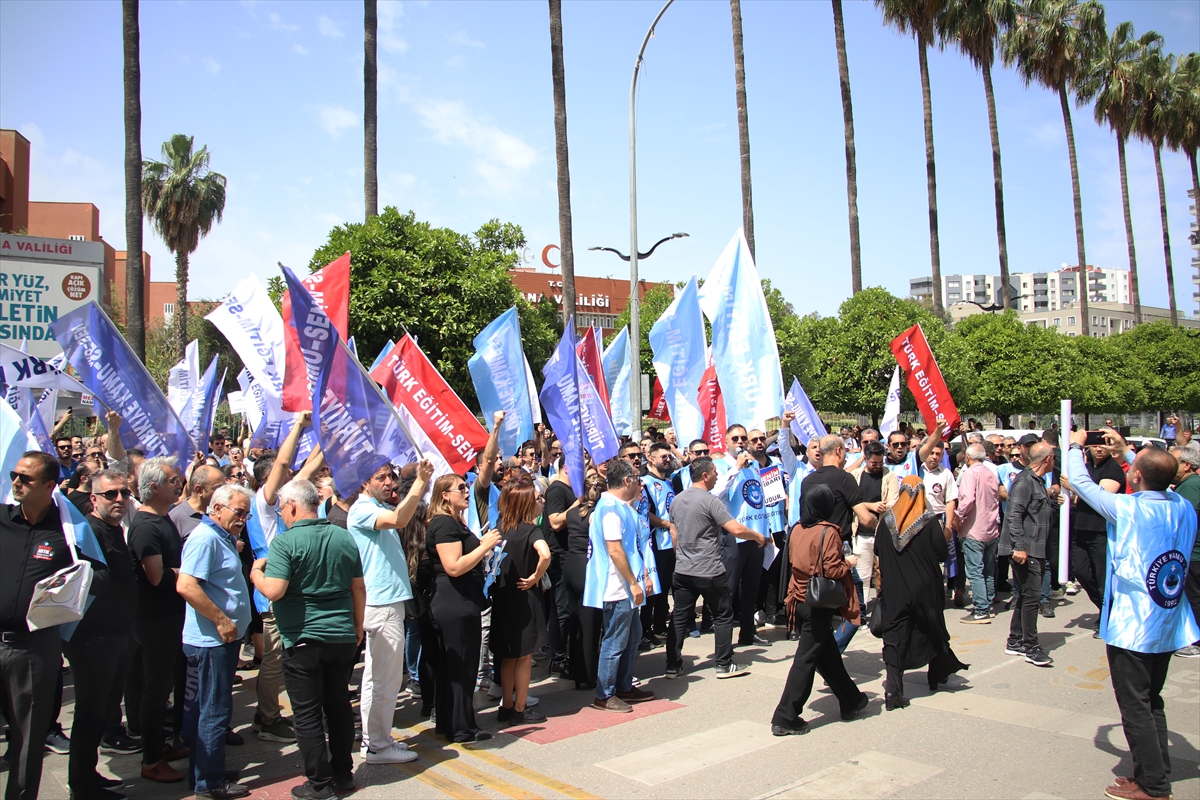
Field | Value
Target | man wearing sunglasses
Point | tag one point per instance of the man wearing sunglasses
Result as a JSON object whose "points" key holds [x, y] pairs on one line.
{"points": [[218, 613], [681, 478], [901, 460], [99, 649], [66, 464], [32, 548]]}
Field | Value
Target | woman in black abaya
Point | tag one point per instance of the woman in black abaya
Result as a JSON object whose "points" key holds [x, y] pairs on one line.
{"points": [[910, 546]]}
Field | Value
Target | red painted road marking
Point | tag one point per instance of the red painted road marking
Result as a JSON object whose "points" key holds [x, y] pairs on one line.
{"points": [[585, 720]]}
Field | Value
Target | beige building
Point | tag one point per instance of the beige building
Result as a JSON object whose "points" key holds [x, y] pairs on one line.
{"points": [[1107, 318]]}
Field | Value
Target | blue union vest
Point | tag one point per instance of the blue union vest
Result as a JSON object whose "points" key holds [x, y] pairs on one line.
{"points": [[596, 575], [661, 494], [1145, 609]]}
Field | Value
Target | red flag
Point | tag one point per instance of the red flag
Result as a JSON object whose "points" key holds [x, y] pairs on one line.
{"points": [[410, 380], [591, 355], [925, 379], [330, 287], [658, 404], [712, 406]]}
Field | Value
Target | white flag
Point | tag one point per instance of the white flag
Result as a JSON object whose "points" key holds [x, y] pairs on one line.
{"points": [[184, 377], [891, 411], [250, 323]]}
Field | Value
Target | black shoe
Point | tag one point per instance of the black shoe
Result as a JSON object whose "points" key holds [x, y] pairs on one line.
{"points": [[894, 701], [343, 784], [504, 715], [108, 783], [1017, 649], [732, 671], [560, 669], [753, 641], [1037, 656], [57, 742], [233, 738], [530, 716], [225, 790], [959, 600], [306, 791], [120, 745], [673, 672], [646, 645], [1046, 610], [97, 793], [799, 729], [793, 636], [853, 713]]}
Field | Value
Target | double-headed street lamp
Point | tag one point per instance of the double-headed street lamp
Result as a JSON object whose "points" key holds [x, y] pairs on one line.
{"points": [[624, 257]]}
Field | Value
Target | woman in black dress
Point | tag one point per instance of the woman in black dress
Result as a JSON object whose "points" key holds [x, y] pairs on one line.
{"points": [[457, 559], [910, 546], [584, 623], [517, 615]]}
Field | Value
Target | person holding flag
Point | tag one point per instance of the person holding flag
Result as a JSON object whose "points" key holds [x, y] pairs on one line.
{"points": [[658, 494]]}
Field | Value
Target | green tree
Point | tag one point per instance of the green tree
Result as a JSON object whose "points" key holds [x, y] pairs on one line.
{"points": [[975, 25], [160, 348], [1051, 42], [1112, 80], [919, 17], [441, 286], [1101, 380], [1184, 131], [654, 303], [183, 199], [1166, 360]]}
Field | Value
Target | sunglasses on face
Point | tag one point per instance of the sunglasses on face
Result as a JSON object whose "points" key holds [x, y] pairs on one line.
{"points": [[633, 456], [113, 494], [25, 479], [759, 439], [62, 447], [737, 438], [701, 452], [460, 489], [94, 457], [898, 445], [240, 513]]}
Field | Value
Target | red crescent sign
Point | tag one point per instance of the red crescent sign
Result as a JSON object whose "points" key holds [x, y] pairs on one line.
{"points": [[546, 256]]}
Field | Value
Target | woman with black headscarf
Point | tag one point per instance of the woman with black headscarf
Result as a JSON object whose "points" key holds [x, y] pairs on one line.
{"points": [[815, 548], [910, 546]]}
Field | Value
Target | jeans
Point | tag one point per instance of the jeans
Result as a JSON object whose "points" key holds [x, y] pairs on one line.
{"points": [[847, 629], [1023, 630], [317, 675], [980, 562], [208, 710], [159, 640], [1137, 680], [715, 592], [412, 648], [618, 649], [383, 674]]}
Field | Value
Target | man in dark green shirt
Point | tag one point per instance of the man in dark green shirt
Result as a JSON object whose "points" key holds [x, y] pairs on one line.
{"points": [[314, 579], [1187, 486]]}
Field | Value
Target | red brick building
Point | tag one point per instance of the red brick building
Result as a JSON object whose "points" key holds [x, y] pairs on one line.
{"points": [[598, 301]]}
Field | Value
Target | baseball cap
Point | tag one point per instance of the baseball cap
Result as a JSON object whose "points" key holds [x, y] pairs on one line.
{"points": [[1029, 439]]}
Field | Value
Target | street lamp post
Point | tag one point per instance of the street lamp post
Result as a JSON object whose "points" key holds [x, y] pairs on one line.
{"points": [[635, 334], [641, 256]]}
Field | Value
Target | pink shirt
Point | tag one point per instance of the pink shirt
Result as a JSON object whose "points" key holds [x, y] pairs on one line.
{"points": [[978, 508]]}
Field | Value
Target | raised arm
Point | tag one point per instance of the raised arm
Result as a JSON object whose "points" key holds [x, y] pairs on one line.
{"points": [[488, 464], [401, 514], [116, 450]]}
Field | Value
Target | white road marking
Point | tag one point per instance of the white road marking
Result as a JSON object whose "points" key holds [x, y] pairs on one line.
{"points": [[869, 775], [680, 757]]}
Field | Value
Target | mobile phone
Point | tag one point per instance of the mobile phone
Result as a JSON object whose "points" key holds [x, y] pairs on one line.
{"points": [[1095, 437]]}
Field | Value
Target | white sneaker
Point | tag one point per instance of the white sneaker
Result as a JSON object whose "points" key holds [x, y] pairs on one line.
{"points": [[531, 701], [1072, 587], [759, 618], [394, 753], [495, 692]]}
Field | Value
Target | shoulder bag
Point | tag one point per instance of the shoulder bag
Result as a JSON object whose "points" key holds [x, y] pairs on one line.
{"points": [[63, 596], [824, 592]]}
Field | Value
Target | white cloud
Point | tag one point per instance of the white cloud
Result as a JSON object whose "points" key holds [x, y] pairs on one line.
{"points": [[300, 49], [327, 27], [278, 24], [388, 35], [456, 61], [336, 119], [210, 66], [464, 39], [502, 158]]}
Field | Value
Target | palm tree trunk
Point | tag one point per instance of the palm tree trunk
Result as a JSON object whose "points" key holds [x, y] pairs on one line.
{"points": [[739, 73], [370, 114], [181, 281], [998, 180], [566, 245], [839, 35], [1084, 319], [135, 316], [1162, 210], [1135, 293], [935, 256]]}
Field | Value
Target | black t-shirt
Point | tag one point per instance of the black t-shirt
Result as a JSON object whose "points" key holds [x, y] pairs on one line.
{"points": [[1085, 517], [337, 515], [845, 491], [870, 486], [559, 498], [577, 531], [111, 613], [81, 500], [154, 535], [444, 529], [28, 553]]}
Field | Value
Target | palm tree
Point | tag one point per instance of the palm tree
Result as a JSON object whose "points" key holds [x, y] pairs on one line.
{"points": [[370, 114], [135, 318], [739, 74], [919, 17], [1184, 132], [1111, 79], [975, 26], [839, 35], [1051, 42], [1153, 119], [183, 199], [566, 245]]}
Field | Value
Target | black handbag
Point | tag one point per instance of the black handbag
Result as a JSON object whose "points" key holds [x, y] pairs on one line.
{"points": [[824, 592]]}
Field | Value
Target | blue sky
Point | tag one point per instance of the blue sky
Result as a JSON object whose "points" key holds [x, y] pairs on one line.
{"points": [[466, 134]]}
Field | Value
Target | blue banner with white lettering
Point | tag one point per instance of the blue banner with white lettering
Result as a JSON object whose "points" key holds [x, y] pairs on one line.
{"points": [[560, 399], [807, 425], [355, 424], [677, 340], [197, 413], [617, 371], [599, 436], [111, 372], [498, 372]]}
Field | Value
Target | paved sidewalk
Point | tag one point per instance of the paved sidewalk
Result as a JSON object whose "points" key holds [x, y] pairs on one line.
{"points": [[1004, 729]]}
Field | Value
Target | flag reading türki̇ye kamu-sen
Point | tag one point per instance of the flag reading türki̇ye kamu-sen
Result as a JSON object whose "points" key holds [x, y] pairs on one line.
{"points": [[925, 381]]}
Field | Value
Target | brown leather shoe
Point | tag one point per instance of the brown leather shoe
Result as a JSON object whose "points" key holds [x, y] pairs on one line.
{"points": [[162, 772], [173, 753], [613, 703], [636, 695], [1130, 791]]}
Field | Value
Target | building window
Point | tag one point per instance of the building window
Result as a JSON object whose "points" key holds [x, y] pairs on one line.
{"points": [[168, 310], [1071, 321], [1057, 321]]}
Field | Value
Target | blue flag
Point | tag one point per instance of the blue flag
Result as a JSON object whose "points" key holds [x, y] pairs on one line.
{"points": [[617, 372], [356, 426], [807, 425], [677, 340], [498, 372], [387, 348], [111, 372], [560, 398], [197, 413], [743, 338], [599, 436]]}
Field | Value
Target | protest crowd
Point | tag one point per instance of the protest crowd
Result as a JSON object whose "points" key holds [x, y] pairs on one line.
{"points": [[367, 516]]}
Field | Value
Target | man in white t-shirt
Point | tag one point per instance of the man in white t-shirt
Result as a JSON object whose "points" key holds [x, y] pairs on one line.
{"points": [[941, 493]]}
